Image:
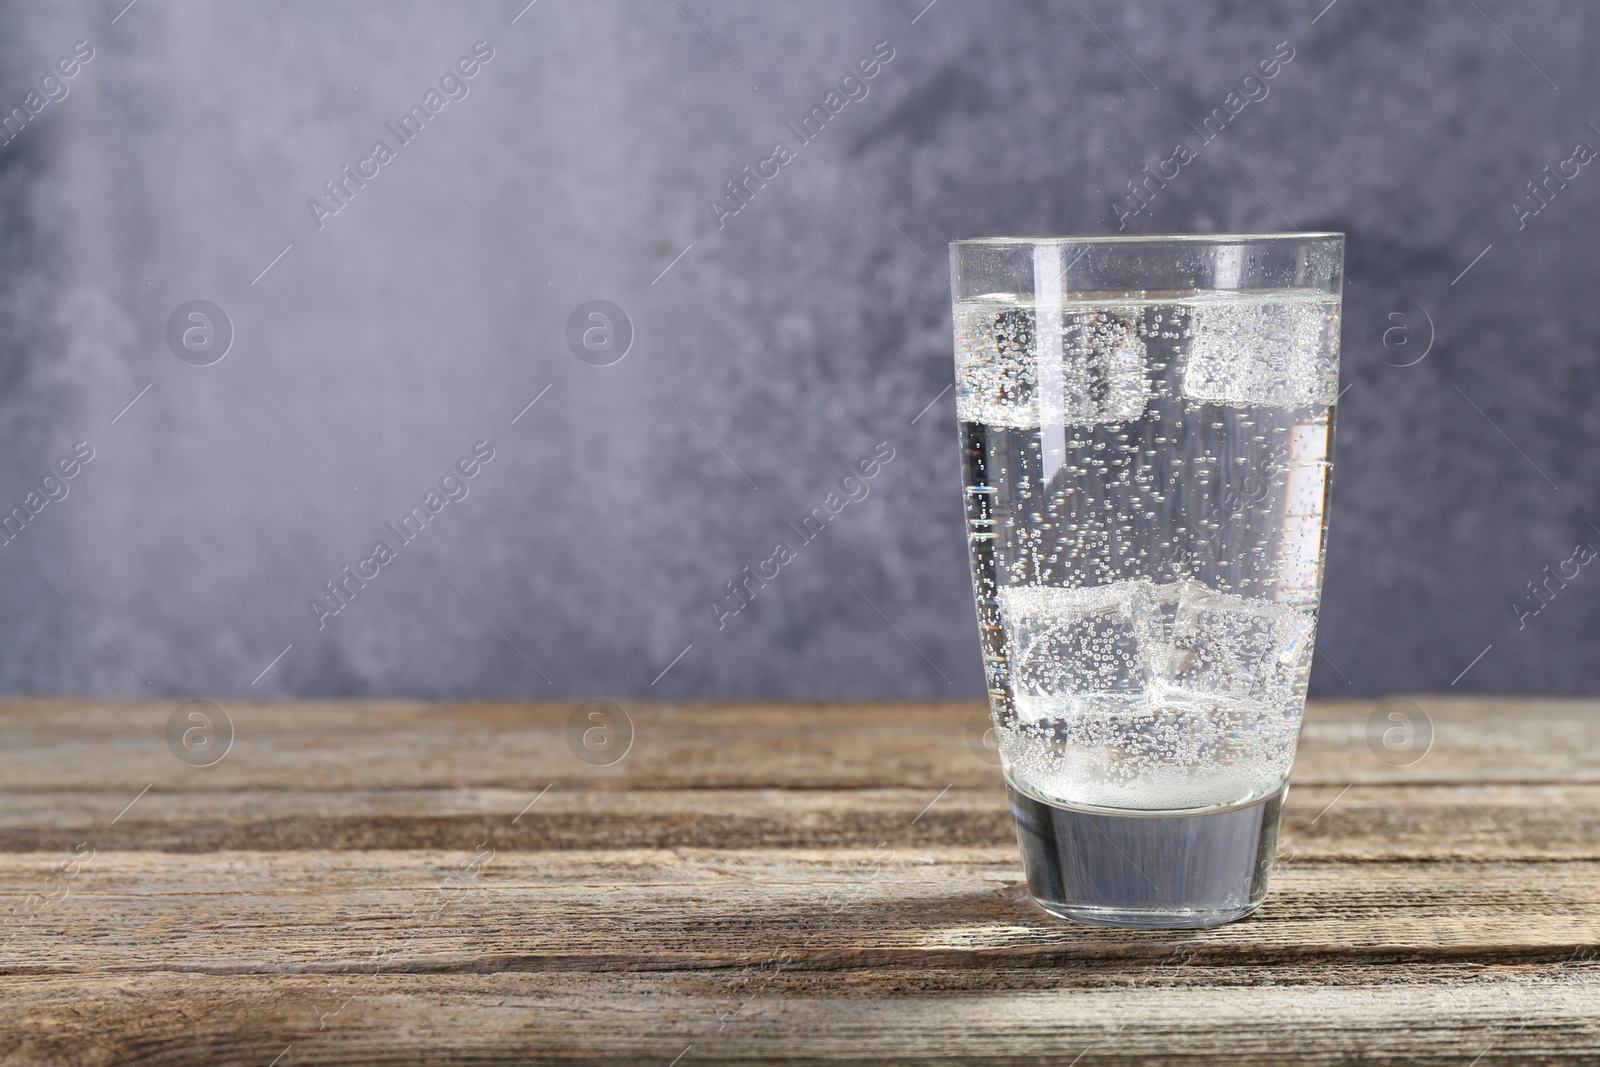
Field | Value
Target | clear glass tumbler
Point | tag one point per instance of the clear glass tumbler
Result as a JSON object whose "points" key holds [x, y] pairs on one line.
{"points": [[1145, 430]]}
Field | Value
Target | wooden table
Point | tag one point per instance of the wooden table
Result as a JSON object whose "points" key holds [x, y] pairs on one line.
{"points": [[362, 883]]}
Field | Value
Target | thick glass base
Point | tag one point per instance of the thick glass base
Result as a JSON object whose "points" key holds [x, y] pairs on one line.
{"points": [[1147, 869]]}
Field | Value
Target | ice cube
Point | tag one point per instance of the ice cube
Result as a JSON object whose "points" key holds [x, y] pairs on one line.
{"points": [[1227, 646], [995, 365], [1068, 646], [1167, 749], [1205, 728], [1254, 352], [1167, 599], [1095, 372], [1103, 377], [1034, 709]]}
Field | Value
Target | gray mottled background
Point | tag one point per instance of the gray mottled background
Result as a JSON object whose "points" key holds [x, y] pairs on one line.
{"points": [[776, 351]]}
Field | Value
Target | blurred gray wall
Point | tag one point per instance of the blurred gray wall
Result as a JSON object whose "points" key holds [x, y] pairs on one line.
{"points": [[772, 350]]}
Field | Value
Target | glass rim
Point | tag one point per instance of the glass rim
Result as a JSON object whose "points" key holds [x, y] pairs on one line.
{"points": [[1169, 238]]}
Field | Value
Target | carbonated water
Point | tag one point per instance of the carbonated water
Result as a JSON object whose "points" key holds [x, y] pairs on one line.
{"points": [[1146, 476]]}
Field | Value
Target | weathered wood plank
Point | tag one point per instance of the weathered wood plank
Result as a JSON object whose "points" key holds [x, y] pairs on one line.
{"points": [[394, 883], [1440, 1016], [265, 912], [59, 745], [1374, 821]]}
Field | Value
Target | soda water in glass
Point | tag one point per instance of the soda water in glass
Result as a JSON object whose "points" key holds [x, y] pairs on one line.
{"points": [[1145, 431]]}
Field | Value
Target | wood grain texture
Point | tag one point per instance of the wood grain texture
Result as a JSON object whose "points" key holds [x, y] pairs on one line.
{"points": [[401, 883]]}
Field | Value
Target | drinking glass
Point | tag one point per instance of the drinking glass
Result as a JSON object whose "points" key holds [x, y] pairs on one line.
{"points": [[1145, 432]]}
